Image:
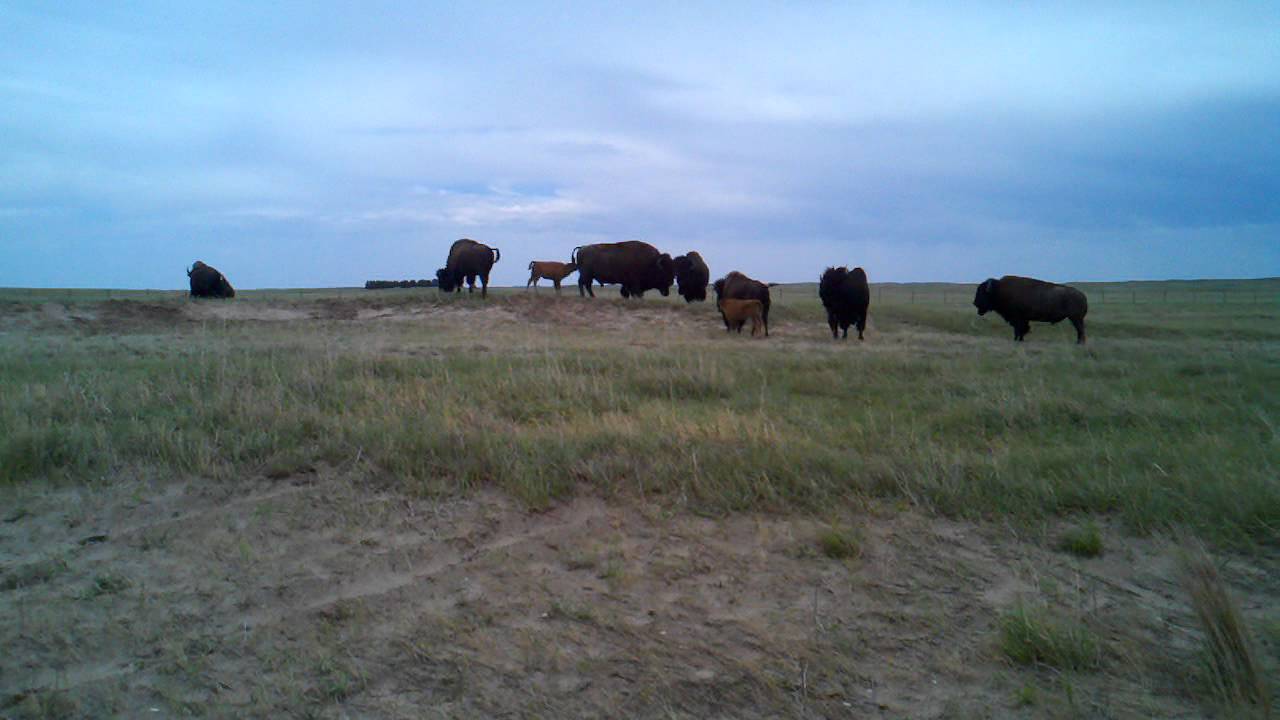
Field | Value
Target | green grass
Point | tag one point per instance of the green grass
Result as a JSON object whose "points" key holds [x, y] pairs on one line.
{"points": [[840, 543], [1172, 426], [1036, 636], [1084, 540]]}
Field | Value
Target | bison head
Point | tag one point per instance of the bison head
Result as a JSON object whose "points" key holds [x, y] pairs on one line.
{"points": [[445, 280], [985, 298], [666, 274]]}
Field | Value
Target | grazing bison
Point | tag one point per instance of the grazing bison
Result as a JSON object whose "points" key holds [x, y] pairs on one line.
{"points": [[692, 276], [637, 266], [551, 270], [206, 281], [467, 260], [1021, 300], [846, 296], [736, 286], [737, 312]]}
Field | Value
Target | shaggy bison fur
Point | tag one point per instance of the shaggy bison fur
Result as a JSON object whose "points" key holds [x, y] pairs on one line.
{"points": [[207, 282], [637, 266], [1021, 301], [468, 260], [736, 286], [846, 296], [692, 276]]}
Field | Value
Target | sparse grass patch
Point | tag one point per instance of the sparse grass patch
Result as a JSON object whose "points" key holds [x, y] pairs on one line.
{"points": [[567, 610], [34, 573], [1230, 668], [107, 584], [1084, 540], [1036, 636], [840, 543]]}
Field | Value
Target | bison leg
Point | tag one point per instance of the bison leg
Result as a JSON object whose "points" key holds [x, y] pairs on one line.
{"points": [[831, 320], [1078, 322], [533, 280], [484, 285], [862, 325], [557, 284], [1020, 330]]}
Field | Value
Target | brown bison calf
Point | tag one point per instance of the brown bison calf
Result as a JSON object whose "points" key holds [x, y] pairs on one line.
{"points": [[551, 270], [738, 312]]}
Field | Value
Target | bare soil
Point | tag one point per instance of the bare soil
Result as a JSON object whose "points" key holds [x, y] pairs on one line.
{"points": [[316, 596]]}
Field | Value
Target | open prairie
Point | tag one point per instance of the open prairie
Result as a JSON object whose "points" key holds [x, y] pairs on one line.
{"points": [[349, 503]]}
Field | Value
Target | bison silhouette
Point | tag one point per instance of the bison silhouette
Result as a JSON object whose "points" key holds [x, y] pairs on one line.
{"points": [[1022, 300]]}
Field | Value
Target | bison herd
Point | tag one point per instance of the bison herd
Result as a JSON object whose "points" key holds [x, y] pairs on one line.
{"points": [[639, 267]]}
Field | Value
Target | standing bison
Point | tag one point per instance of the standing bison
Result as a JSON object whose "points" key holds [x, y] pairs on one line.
{"points": [[467, 260], [1021, 300], [551, 270], [637, 266], [846, 296], [736, 286], [692, 276], [206, 281]]}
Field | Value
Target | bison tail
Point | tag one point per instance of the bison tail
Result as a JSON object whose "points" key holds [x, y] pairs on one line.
{"points": [[496, 255], [573, 256]]}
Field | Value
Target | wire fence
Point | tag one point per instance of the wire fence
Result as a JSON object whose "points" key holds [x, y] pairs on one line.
{"points": [[1097, 296]]}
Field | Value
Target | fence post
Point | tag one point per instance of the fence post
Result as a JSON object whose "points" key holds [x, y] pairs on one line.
{"points": [[913, 296]]}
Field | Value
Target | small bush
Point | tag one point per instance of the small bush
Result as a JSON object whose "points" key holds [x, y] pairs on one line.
{"points": [[840, 543], [1082, 541], [1032, 636]]}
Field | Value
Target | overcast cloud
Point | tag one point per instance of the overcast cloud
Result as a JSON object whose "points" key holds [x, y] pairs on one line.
{"points": [[317, 144]]}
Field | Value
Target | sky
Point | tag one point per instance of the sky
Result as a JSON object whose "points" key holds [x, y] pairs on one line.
{"points": [[316, 144]]}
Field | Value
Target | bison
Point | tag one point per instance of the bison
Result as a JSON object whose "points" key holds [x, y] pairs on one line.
{"points": [[736, 286], [551, 270], [206, 281], [737, 312], [692, 276], [846, 297], [637, 266], [467, 260], [1020, 300]]}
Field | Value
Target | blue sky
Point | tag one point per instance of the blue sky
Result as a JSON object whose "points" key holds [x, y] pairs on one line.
{"points": [[322, 143]]}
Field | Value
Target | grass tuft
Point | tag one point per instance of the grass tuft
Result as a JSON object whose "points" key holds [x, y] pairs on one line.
{"points": [[1230, 666], [1033, 636], [1083, 541], [840, 543]]}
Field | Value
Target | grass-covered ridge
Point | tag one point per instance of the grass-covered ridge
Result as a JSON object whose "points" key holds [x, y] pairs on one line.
{"points": [[1172, 425]]}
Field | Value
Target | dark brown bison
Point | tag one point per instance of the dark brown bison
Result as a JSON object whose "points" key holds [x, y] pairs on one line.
{"points": [[1021, 300], [846, 296], [206, 281], [692, 276], [551, 270], [737, 286], [637, 266], [468, 259]]}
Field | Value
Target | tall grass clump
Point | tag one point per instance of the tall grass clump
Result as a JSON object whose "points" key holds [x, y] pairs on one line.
{"points": [[1230, 666], [1035, 636]]}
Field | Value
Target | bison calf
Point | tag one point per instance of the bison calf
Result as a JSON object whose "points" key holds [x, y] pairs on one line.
{"points": [[551, 270], [737, 312], [1021, 300]]}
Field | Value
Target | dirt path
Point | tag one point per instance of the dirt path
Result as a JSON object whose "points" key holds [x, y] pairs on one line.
{"points": [[318, 596]]}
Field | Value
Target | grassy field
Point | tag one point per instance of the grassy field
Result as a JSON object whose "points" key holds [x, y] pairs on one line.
{"points": [[1163, 426]]}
